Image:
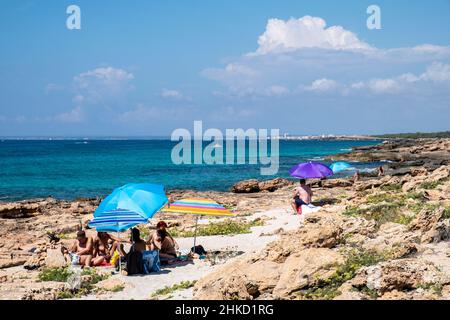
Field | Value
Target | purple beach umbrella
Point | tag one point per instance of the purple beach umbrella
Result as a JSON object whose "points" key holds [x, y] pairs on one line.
{"points": [[309, 170]]}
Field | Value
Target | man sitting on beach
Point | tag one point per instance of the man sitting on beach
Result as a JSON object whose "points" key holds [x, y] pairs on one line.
{"points": [[81, 250], [302, 195]]}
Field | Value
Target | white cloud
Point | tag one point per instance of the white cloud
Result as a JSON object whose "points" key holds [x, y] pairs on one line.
{"points": [[52, 87], [437, 72], [102, 84], [73, 116], [306, 32], [277, 90], [430, 48], [322, 85], [143, 114], [231, 71], [304, 53], [384, 86], [171, 94]]}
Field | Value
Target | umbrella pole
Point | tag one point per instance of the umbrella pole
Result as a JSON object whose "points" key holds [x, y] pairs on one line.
{"points": [[118, 250], [195, 234]]}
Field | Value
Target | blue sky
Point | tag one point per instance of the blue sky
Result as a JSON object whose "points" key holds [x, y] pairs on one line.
{"points": [[148, 67]]}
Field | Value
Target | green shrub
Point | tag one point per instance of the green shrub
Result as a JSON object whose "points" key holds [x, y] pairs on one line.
{"points": [[55, 274], [446, 214], [169, 289], [381, 213], [226, 227], [430, 185], [117, 288], [392, 187], [328, 289], [96, 277]]}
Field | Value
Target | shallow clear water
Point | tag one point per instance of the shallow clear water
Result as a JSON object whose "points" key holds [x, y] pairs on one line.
{"points": [[76, 168]]}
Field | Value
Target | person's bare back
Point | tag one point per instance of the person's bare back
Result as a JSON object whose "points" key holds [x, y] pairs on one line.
{"points": [[304, 192]]}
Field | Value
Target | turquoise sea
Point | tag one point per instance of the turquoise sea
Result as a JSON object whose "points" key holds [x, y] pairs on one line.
{"points": [[69, 169]]}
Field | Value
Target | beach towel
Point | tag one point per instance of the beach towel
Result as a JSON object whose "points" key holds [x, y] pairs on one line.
{"points": [[105, 264], [309, 208], [150, 259]]}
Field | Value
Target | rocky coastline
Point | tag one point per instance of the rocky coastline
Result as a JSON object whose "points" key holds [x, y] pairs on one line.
{"points": [[378, 238]]}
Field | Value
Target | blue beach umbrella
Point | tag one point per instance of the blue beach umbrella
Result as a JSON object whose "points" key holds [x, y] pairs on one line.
{"points": [[128, 206], [339, 166]]}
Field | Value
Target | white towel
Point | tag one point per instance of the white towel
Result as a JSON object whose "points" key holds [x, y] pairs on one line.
{"points": [[309, 208]]}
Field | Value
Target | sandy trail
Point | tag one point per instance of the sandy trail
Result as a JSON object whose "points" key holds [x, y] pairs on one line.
{"points": [[142, 287]]}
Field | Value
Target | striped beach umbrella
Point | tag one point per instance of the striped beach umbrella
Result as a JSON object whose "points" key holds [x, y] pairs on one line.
{"points": [[197, 207], [116, 220]]}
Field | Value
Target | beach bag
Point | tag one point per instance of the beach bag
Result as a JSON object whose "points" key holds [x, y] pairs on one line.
{"points": [[198, 250], [74, 259], [114, 258], [151, 261]]}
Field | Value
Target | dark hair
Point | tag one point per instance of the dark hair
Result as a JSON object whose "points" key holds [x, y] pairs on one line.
{"points": [[162, 234], [161, 224], [81, 234], [302, 181], [135, 235]]}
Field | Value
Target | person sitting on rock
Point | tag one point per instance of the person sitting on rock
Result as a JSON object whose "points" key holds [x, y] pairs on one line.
{"points": [[104, 247], [82, 249], [302, 196], [161, 240]]}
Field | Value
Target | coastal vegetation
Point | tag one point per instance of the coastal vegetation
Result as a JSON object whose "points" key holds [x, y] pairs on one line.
{"points": [[55, 274], [416, 135], [392, 207], [329, 288], [170, 289], [88, 278], [226, 227]]}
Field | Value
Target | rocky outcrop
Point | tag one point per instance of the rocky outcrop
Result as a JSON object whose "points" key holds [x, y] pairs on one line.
{"points": [[393, 240], [306, 268], [399, 275], [55, 258], [431, 225], [297, 260], [253, 185]]}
